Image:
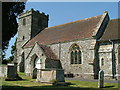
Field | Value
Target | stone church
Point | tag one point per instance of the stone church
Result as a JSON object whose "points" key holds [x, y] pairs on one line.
{"points": [[82, 48]]}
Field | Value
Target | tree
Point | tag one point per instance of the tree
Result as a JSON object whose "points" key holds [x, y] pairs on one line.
{"points": [[11, 58], [10, 11]]}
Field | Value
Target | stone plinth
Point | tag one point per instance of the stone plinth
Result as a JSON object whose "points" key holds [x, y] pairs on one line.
{"points": [[47, 75]]}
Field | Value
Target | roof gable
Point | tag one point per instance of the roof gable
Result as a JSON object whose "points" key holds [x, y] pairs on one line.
{"points": [[112, 31], [34, 50], [42, 49]]}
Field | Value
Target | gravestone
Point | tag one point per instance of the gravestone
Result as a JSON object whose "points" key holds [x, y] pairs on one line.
{"points": [[101, 79], [12, 71], [48, 75]]}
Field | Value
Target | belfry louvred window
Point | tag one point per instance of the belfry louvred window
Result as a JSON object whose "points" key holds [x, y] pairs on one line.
{"points": [[75, 54]]}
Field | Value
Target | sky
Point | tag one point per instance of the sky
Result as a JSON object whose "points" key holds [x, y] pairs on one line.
{"points": [[64, 12]]}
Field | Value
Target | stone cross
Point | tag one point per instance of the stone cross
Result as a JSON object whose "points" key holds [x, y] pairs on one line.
{"points": [[101, 79]]}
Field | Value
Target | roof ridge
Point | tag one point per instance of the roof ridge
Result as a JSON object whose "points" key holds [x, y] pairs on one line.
{"points": [[71, 22]]}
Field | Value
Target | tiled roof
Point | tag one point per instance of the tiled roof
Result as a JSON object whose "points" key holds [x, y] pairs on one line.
{"points": [[112, 32], [67, 32], [48, 52]]}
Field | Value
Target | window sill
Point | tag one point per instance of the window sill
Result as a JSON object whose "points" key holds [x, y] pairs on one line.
{"points": [[75, 64]]}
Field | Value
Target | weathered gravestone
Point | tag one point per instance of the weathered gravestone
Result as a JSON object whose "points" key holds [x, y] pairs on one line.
{"points": [[12, 72], [48, 75], [101, 79]]}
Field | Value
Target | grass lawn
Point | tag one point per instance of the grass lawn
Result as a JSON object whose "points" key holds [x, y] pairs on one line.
{"points": [[29, 84]]}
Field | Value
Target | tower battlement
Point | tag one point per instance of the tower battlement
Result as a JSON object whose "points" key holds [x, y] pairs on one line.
{"points": [[32, 11]]}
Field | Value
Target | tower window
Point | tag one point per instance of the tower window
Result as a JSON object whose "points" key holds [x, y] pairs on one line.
{"points": [[102, 62], [75, 54], [23, 38], [24, 21]]}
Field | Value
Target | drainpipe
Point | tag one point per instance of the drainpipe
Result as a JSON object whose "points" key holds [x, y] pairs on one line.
{"points": [[113, 61]]}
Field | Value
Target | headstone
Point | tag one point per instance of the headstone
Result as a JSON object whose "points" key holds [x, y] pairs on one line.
{"points": [[12, 71], [101, 79]]}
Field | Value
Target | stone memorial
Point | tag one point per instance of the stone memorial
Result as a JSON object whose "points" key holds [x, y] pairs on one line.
{"points": [[12, 72], [101, 79], [48, 75]]}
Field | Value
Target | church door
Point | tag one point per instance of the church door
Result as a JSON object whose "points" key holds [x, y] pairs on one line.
{"points": [[38, 63]]}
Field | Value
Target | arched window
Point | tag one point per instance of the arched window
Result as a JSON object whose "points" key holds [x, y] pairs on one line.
{"points": [[76, 59], [75, 54], [79, 57], [23, 37], [72, 57], [102, 62]]}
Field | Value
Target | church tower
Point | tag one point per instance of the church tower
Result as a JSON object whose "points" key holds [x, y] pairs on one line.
{"points": [[30, 24]]}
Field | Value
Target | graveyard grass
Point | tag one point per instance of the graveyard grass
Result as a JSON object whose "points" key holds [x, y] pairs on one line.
{"points": [[29, 84]]}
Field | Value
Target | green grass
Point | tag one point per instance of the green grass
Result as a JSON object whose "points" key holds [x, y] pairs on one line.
{"points": [[29, 84]]}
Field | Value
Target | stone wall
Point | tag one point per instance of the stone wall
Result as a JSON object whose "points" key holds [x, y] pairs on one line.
{"points": [[53, 64], [29, 30], [87, 49], [109, 53], [3, 70]]}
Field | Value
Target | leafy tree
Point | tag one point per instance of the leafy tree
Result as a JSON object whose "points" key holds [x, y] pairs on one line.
{"points": [[10, 11], [13, 48], [11, 58]]}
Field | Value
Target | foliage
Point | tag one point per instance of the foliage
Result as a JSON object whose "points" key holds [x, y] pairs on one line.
{"points": [[10, 11], [13, 48], [11, 58]]}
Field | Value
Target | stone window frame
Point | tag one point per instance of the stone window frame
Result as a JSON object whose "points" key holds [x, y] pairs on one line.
{"points": [[75, 51]]}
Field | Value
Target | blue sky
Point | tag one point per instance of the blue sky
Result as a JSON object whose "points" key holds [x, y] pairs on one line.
{"points": [[63, 12]]}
